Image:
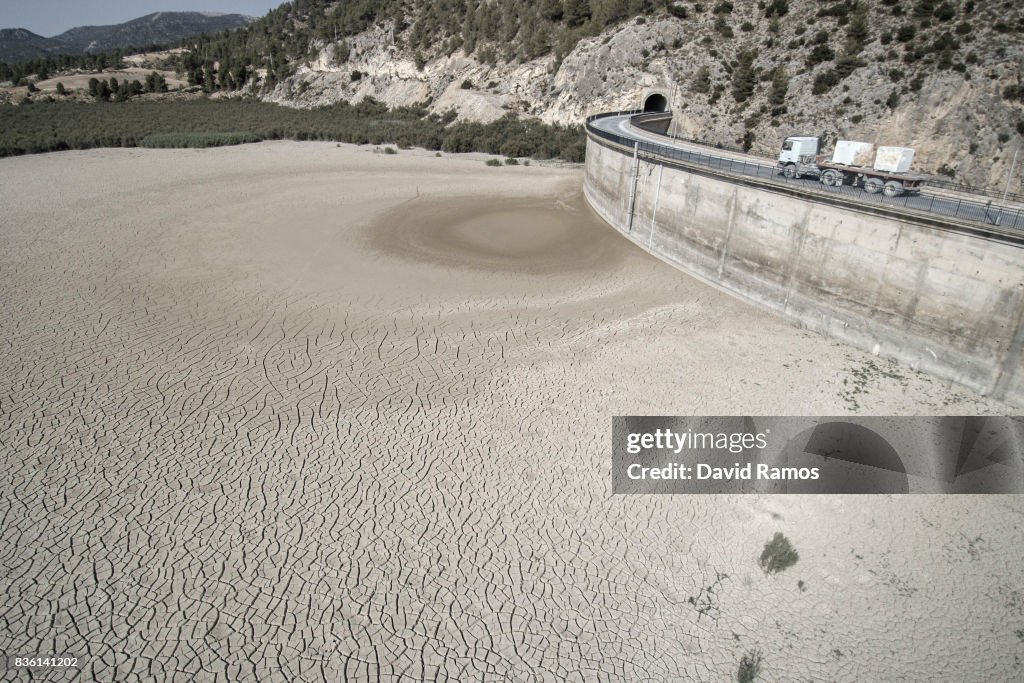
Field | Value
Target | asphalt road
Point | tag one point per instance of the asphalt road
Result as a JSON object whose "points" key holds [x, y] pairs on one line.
{"points": [[982, 211]]}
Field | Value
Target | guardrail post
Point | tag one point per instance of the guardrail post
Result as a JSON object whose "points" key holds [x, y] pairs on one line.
{"points": [[634, 172]]}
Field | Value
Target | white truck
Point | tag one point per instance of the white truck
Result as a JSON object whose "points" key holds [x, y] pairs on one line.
{"points": [[859, 164]]}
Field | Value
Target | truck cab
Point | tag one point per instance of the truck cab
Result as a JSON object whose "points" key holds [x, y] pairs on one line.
{"points": [[797, 151]]}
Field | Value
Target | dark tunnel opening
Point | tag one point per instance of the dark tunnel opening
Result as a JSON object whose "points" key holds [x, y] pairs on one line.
{"points": [[656, 102]]}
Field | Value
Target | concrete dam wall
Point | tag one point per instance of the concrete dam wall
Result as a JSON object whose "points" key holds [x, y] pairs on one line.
{"points": [[942, 299]]}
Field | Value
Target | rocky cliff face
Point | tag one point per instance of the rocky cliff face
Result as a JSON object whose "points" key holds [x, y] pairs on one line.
{"points": [[948, 87]]}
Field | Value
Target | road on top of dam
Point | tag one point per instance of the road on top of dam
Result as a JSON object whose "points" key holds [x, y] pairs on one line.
{"points": [[981, 210]]}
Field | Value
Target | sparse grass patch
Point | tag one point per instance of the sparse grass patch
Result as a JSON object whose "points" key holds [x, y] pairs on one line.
{"points": [[778, 555], [863, 375], [750, 667]]}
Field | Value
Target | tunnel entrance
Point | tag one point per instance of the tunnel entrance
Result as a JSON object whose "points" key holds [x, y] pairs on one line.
{"points": [[656, 102]]}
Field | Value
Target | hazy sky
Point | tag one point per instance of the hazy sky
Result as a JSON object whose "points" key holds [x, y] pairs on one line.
{"points": [[50, 17]]}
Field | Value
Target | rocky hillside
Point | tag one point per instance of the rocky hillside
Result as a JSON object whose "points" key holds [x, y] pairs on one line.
{"points": [[944, 77], [18, 45]]}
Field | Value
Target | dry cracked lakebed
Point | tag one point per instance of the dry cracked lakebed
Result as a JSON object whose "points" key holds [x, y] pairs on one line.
{"points": [[292, 411]]}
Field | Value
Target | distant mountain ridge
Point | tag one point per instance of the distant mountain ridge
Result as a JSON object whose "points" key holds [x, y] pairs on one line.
{"points": [[159, 28]]}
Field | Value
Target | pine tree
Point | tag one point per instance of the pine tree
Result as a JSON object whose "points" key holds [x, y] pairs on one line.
{"points": [[701, 82], [576, 12], [780, 87], [744, 77]]}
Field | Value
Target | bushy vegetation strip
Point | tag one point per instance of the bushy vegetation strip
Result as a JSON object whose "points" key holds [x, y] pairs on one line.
{"points": [[53, 126], [165, 140]]}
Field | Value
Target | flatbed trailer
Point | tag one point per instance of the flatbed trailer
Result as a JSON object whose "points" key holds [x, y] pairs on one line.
{"points": [[799, 158], [871, 180]]}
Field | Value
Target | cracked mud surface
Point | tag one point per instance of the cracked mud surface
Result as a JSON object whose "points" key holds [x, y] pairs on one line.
{"points": [[289, 411]]}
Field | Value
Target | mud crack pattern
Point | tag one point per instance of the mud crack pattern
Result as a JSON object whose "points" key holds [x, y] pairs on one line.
{"points": [[293, 412]]}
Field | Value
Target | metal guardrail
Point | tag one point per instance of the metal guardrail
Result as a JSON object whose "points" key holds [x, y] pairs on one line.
{"points": [[945, 207], [1015, 197]]}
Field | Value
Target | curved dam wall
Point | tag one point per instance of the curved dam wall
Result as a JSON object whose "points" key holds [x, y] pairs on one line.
{"points": [[940, 298]]}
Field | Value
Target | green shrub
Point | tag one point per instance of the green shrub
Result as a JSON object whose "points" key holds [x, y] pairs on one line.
{"points": [[777, 8], [824, 82], [820, 53], [493, 162], [748, 140], [716, 94], [906, 33], [778, 555], [390, 150], [511, 161], [847, 64], [945, 12]]}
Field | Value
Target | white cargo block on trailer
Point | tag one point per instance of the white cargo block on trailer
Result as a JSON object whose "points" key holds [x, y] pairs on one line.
{"points": [[894, 159], [853, 153]]}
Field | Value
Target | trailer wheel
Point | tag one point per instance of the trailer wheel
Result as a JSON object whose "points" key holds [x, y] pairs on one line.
{"points": [[790, 171], [893, 188], [873, 185], [831, 177]]}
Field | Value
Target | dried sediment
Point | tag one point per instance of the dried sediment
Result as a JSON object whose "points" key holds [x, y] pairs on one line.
{"points": [[290, 405]]}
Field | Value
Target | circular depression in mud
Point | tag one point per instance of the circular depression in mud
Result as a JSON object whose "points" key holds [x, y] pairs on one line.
{"points": [[544, 236]]}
